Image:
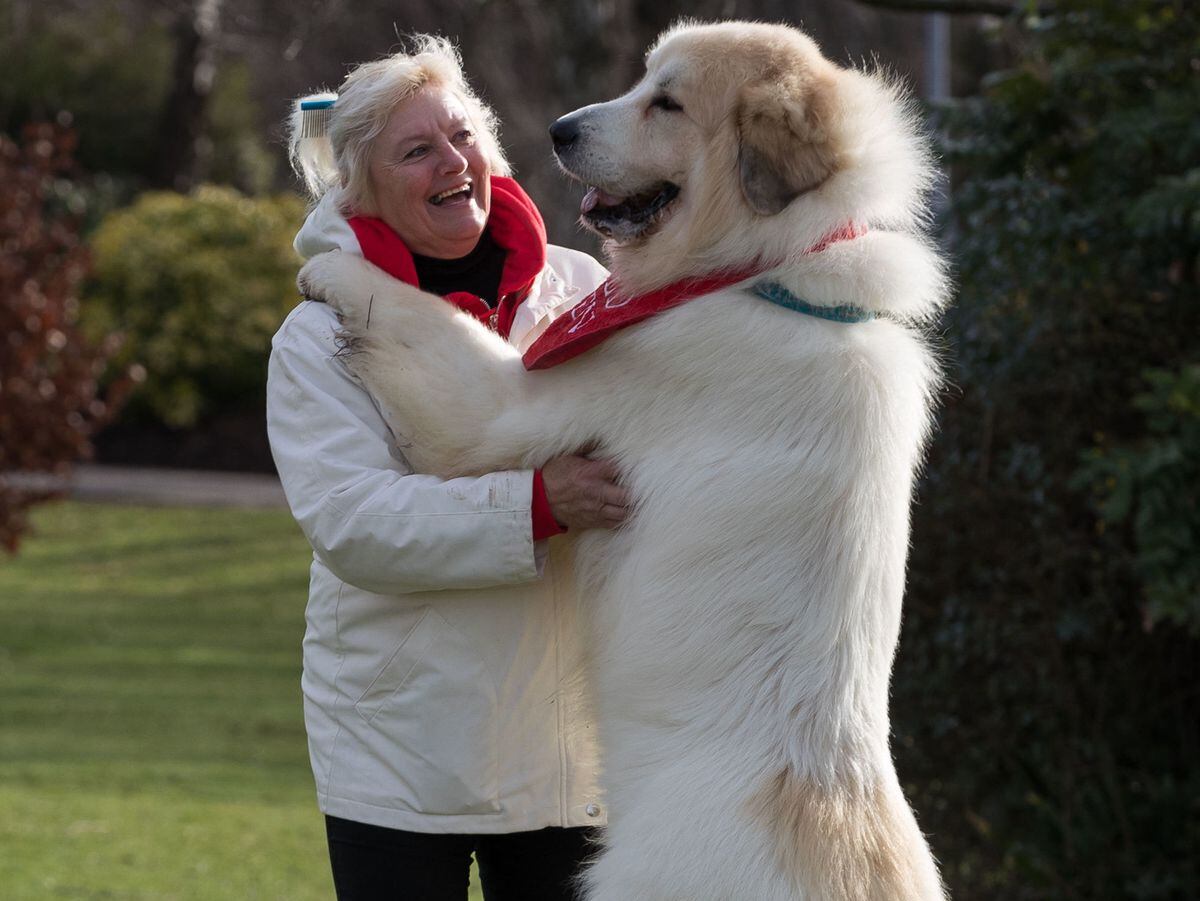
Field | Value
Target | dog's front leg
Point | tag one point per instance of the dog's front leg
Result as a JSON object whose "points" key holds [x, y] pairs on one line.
{"points": [[454, 392]]}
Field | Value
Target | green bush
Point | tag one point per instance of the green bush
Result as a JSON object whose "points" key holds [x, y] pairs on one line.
{"points": [[1046, 681], [1152, 487], [197, 285]]}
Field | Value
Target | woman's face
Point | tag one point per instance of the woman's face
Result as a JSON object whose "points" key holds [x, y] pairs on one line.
{"points": [[431, 182]]}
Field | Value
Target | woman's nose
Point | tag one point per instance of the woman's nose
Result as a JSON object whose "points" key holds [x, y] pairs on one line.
{"points": [[451, 160]]}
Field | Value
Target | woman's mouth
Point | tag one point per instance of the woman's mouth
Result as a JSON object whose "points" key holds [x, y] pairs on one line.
{"points": [[457, 194]]}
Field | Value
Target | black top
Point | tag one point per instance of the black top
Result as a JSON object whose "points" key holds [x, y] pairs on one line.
{"points": [[478, 272]]}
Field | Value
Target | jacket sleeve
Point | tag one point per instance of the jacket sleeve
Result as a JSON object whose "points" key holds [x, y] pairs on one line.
{"points": [[368, 517]]}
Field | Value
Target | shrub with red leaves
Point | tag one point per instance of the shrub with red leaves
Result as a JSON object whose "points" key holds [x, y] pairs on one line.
{"points": [[50, 400]]}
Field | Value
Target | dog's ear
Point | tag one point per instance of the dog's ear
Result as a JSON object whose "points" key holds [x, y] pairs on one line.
{"points": [[784, 143]]}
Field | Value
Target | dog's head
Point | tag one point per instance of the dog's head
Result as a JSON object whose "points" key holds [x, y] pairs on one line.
{"points": [[733, 125]]}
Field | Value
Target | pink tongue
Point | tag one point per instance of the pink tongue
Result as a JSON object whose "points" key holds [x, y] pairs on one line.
{"points": [[595, 197]]}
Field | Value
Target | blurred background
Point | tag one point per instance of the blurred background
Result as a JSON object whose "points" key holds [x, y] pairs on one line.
{"points": [[1045, 698]]}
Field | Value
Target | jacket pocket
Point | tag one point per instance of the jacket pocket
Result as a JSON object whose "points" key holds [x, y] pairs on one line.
{"points": [[430, 723], [396, 672]]}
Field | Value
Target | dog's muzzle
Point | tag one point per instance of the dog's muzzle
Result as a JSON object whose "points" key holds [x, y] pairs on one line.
{"points": [[621, 218]]}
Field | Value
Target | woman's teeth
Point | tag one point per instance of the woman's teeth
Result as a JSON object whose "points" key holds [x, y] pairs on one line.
{"points": [[437, 199]]}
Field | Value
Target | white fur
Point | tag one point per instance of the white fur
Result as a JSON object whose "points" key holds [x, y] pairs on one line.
{"points": [[744, 621]]}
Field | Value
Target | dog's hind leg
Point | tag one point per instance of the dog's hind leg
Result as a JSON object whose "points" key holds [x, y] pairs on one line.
{"points": [[683, 835]]}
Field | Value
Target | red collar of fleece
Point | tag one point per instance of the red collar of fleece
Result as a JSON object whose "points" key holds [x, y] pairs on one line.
{"points": [[606, 310], [514, 223]]}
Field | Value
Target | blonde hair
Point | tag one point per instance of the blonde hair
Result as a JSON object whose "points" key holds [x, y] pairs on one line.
{"points": [[338, 159]]}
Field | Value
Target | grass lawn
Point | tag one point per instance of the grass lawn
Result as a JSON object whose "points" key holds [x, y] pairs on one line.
{"points": [[151, 735]]}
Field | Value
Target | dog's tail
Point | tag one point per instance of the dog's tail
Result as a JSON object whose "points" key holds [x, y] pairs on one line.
{"points": [[848, 842]]}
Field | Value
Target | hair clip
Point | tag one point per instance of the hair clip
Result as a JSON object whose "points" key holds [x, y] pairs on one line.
{"points": [[314, 115]]}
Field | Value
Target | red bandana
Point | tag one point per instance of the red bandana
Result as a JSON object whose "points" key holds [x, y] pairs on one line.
{"points": [[606, 310], [514, 223]]}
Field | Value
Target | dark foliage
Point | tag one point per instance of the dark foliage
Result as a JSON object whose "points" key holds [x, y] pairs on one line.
{"points": [[1046, 689], [142, 90], [49, 400]]}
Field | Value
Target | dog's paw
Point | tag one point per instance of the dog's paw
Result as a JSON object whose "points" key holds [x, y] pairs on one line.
{"points": [[311, 281], [342, 280]]}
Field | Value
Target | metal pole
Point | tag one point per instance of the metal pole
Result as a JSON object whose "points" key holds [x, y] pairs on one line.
{"points": [[937, 92], [937, 57]]}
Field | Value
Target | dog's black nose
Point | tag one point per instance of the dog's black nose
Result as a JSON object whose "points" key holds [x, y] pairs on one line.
{"points": [[564, 132]]}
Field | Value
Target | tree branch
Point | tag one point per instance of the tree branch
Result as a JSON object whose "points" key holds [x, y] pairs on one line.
{"points": [[965, 7]]}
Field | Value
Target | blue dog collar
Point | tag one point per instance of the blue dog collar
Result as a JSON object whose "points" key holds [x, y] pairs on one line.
{"points": [[781, 296]]}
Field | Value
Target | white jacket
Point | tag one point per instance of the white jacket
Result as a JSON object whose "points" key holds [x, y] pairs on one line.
{"points": [[442, 688]]}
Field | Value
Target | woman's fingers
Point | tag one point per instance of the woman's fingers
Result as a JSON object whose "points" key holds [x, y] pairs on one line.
{"points": [[613, 516], [614, 495], [585, 494]]}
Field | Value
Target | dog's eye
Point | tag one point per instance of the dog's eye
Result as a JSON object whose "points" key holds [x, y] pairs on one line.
{"points": [[663, 102]]}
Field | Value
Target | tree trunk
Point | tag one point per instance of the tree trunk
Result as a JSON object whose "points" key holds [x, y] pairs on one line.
{"points": [[185, 116]]}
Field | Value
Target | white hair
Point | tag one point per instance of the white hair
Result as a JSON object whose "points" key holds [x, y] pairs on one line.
{"points": [[338, 159]]}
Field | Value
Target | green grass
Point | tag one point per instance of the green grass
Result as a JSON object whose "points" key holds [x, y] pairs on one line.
{"points": [[151, 735]]}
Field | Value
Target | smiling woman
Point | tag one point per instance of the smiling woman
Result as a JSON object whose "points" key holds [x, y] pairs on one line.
{"points": [[432, 177], [444, 703]]}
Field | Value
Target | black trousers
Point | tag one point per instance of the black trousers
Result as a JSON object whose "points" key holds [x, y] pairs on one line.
{"points": [[372, 863]]}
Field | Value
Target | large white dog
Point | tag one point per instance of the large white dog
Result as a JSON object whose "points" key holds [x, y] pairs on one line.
{"points": [[745, 618]]}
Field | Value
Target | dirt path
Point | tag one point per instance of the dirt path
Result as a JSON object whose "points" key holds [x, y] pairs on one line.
{"points": [[172, 487]]}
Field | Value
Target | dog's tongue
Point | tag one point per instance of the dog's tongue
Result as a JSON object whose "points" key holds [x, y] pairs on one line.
{"points": [[595, 197]]}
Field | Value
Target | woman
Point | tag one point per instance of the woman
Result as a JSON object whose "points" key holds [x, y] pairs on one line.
{"points": [[443, 700]]}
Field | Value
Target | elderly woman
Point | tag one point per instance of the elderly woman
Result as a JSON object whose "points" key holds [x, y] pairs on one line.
{"points": [[445, 709]]}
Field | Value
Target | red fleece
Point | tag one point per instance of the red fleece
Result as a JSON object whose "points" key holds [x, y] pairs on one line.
{"points": [[513, 222]]}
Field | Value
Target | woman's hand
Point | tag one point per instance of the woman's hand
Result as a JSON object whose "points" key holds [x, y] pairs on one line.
{"points": [[584, 494]]}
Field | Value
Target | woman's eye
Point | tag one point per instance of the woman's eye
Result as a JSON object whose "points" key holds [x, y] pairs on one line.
{"points": [[466, 136], [418, 151], [665, 103]]}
